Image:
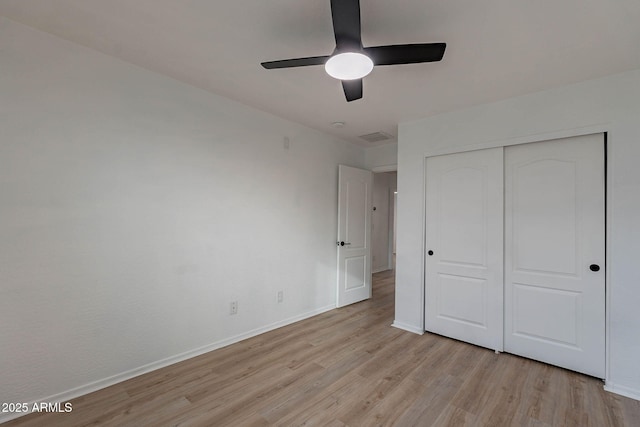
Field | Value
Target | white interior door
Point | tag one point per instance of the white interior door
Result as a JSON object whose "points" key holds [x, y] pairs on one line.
{"points": [[355, 189], [554, 238], [464, 242]]}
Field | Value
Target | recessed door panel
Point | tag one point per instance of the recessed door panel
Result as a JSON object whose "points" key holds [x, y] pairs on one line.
{"points": [[529, 322], [356, 270], [463, 299], [554, 233], [556, 206], [355, 231], [463, 279], [462, 218]]}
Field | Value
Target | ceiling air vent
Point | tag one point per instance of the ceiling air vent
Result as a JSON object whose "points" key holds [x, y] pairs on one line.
{"points": [[376, 137]]}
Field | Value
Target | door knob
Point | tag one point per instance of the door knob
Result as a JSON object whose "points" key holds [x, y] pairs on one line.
{"points": [[430, 253], [594, 267], [343, 244]]}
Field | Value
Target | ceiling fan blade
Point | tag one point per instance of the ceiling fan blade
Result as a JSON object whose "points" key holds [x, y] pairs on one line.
{"points": [[352, 89], [346, 24], [406, 53], [296, 62]]}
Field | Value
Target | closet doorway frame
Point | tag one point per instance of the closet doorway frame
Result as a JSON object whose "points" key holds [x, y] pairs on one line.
{"points": [[609, 144]]}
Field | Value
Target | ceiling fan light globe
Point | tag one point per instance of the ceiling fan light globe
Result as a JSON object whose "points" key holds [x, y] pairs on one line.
{"points": [[349, 66]]}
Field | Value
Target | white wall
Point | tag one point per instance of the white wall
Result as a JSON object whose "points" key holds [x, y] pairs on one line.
{"points": [[608, 104], [384, 184], [382, 157], [134, 209]]}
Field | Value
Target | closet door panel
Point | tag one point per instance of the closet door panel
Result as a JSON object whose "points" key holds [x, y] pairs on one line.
{"points": [[554, 238], [464, 283]]}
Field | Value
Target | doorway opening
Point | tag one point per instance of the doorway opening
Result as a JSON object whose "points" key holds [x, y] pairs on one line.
{"points": [[383, 221]]}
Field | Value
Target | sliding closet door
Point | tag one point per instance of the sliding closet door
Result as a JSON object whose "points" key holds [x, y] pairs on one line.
{"points": [[464, 242], [554, 252]]}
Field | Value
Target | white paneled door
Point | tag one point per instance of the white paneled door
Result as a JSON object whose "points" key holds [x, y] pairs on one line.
{"points": [[355, 190], [464, 243], [555, 252]]}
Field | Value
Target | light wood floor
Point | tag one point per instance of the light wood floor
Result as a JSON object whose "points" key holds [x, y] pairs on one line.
{"points": [[349, 367]]}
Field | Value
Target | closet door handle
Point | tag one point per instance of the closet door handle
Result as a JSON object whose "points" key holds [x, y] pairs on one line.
{"points": [[594, 267], [430, 253]]}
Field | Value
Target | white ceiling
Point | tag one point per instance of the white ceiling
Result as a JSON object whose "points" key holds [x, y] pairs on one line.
{"points": [[495, 49]]}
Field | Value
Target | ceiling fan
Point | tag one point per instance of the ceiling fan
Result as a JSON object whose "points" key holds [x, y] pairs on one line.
{"points": [[350, 61]]}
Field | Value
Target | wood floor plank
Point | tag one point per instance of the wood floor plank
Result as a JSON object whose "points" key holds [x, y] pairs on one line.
{"points": [[432, 403], [316, 390], [505, 393], [240, 407], [349, 367], [454, 416], [385, 410]]}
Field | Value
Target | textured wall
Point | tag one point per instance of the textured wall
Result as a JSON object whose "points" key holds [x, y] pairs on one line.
{"points": [[383, 157], [134, 209]]}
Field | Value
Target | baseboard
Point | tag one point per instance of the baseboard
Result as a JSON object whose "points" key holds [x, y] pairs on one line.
{"points": [[66, 396], [622, 390], [407, 327]]}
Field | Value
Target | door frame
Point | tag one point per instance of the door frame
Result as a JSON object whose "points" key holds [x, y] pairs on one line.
{"points": [[609, 145], [392, 231], [390, 218]]}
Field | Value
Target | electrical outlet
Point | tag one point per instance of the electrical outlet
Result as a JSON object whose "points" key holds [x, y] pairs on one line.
{"points": [[280, 296], [233, 307]]}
